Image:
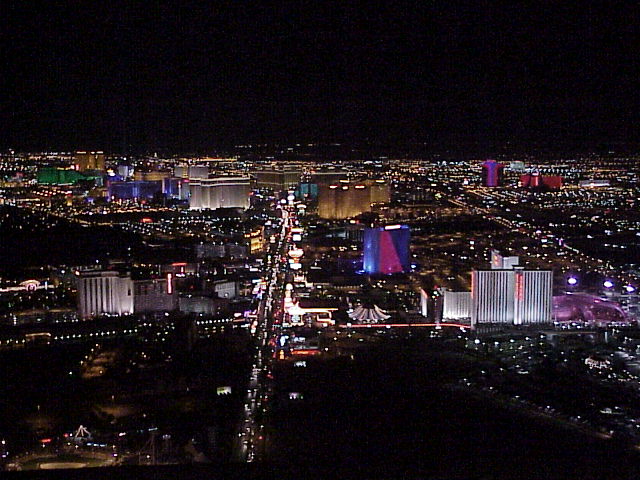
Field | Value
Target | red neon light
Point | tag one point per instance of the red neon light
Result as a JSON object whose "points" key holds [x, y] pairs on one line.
{"points": [[46, 440], [401, 325], [473, 283], [519, 286], [179, 264], [305, 352]]}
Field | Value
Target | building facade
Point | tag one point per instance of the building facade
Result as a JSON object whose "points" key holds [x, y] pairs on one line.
{"points": [[154, 295], [278, 180], [492, 173], [456, 306], [511, 296], [104, 293], [84, 161], [135, 190], [114, 293], [386, 249], [221, 192]]}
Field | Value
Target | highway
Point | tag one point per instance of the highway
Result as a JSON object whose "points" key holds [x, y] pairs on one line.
{"points": [[251, 441]]}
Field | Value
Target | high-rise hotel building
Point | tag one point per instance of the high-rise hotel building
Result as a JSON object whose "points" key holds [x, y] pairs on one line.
{"points": [[511, 295], [220, 192], [107, 292], [278, 180], [345, 200], [386, 249], [89, 161], [104, 292]]}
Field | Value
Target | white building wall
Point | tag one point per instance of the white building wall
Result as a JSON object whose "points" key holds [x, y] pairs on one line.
{"points": [[104, 293], [514, 296], [222, 192], [225, 289], [533, 296], [456, 305], [492, 296]]}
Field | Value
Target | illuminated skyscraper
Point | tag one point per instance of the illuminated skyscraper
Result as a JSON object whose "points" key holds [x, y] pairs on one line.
{"points": [[329, 177], [386, 249], [104, 292], [456, 306], [113, 293], [492, 173], [89, 161], [346, 200], [511, 296], [379, 191], [278, 180], [221, 192], [191, 171], [59, 176], [535, 180]]}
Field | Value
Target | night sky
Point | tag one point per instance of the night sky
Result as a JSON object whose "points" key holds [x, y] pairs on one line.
{"points": [[193, 76]]}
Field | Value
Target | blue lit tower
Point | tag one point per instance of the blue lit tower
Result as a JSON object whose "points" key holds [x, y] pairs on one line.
{"points": [[386, 249]]}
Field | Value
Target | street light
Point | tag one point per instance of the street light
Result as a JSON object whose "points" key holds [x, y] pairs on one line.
{"points": [[607, 284]]}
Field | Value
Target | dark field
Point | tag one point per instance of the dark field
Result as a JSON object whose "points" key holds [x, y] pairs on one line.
{"points": [[390, 412]]}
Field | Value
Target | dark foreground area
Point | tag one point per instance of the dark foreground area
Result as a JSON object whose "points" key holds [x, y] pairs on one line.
{"points": [[393, 412], [399, 412]]}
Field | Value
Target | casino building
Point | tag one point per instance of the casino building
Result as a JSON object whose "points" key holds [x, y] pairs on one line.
{"points": [[386, 249], [344, 200], [220, 192], [492, 173], [511, 295], [107, 292]]}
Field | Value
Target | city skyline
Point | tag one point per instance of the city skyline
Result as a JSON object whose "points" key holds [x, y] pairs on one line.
{"points": [[320, 240]]}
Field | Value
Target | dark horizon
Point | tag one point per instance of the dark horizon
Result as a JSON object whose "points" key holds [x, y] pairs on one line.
{"points": [[196, 77]]}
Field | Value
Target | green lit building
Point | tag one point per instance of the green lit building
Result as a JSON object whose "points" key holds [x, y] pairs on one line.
{"points": [[60, 176]]}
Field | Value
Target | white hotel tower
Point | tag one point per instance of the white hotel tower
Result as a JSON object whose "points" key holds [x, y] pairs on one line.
{"points": [[220, 192], [508, 294], [104, 292]]}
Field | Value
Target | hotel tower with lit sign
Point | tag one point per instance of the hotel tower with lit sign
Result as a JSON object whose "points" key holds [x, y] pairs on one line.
{"points": [[386, 249], [512, 296]]}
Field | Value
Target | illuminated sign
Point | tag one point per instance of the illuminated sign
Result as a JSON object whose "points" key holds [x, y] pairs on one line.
{"points": [[296, 253], [30, 285], [519, 286], [169, 283]]}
